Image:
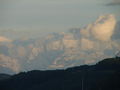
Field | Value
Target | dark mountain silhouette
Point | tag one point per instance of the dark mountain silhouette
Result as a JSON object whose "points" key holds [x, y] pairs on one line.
{"points": [[105, 75], [4, 76]]}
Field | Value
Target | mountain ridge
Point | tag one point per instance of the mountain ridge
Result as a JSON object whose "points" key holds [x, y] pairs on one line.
{"points": [[99, 76]]}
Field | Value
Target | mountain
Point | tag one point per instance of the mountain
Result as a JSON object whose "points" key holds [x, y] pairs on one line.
{"points": [[105, 75], [77, 46], [4, 76]]}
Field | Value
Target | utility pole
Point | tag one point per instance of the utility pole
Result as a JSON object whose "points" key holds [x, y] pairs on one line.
{"points": [[83, 80], [82, 83]]}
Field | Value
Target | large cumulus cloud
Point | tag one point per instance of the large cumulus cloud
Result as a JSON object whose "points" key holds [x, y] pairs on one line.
{"points": [[102, 29], [98, 40], [95, 43], [101, 38]]}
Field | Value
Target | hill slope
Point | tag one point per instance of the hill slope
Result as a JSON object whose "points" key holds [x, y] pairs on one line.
{"points": [[105, 75]]}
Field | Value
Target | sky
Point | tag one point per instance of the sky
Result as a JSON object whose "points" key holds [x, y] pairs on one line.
{"points": [[53, 15], [28, 20]]}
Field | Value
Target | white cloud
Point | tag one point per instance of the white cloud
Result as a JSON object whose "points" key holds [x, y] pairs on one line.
{"points": [[4, 39], [12, 63], [86, 44], [97, 37], [102, 29], [94, 44]]}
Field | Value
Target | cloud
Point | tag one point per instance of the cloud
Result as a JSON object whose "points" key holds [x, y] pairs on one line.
{"points": [[12, 63], [86, 44], [4, 39], [101, 35], [102, 29], [116, 35], [114, 2], [95, 43], [98, 37]]}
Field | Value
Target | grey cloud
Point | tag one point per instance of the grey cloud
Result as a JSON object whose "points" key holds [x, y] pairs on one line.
{"points": [[116, 35], [114, 2]]}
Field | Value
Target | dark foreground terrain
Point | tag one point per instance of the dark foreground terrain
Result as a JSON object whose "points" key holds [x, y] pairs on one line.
{"points": [[105, 75]]}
